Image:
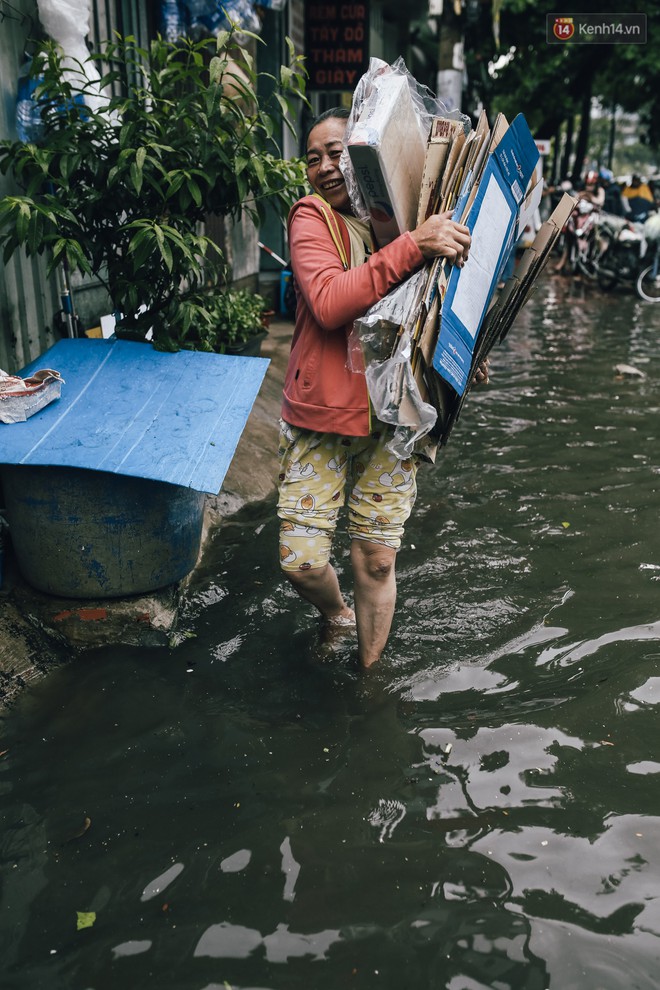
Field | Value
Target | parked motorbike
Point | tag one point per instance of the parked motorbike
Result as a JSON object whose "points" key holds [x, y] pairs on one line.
{"points": [[580, 243], [622, 246]]}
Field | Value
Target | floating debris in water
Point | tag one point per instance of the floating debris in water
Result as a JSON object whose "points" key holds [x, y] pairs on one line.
{"points": [[628, 371], [78, 834]]}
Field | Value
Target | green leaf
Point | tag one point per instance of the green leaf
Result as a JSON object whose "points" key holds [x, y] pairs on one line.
{"points": [[58, 249], [140, 247], [35, 232], [126, 134], [68, 165], [76, 257], [258, 167], [22, 221], [217, 67], [243, 188], [7, 211], [241, 163], [164, 248], [85, 919], [284, 107], [136, 177], [175, 184], [195, 192]]}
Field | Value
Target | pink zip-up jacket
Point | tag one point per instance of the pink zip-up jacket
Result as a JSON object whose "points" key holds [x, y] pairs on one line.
{"points": [[320, 392]]}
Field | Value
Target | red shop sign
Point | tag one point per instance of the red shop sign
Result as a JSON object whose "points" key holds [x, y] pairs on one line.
{"points": [[336, 44]]}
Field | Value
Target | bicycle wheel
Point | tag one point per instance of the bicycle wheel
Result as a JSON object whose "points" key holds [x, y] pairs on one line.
{"points": [[648, 284]]}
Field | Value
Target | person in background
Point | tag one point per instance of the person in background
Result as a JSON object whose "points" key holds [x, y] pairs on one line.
{"points": [[330, 444], [613, 202], [638, 199], [593, 191]]}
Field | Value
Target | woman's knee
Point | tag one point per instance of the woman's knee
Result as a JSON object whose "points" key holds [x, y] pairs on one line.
{"points": [[373, 559]]}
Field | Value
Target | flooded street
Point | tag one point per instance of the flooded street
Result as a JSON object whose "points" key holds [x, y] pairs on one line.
{"points": [[247, 810]]}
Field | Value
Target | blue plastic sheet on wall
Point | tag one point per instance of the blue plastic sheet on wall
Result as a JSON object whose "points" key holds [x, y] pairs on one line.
{"points": [[129, 409]]}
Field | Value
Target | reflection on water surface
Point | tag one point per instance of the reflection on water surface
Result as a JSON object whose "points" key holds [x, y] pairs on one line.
{"points": [[247, 811]]}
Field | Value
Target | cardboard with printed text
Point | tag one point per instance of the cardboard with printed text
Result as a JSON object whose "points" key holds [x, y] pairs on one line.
{"points": [[492, 223], [387, 151]]}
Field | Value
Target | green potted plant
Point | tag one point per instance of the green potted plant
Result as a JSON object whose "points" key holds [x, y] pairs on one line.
{"points": [[235, 321], [121, 192]]}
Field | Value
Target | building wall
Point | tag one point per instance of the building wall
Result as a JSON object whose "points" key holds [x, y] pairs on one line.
{"points": [[28, 300]]}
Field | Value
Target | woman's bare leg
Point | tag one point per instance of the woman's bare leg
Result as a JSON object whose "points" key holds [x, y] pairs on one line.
{"points": [[319, 585], [375, 597]]}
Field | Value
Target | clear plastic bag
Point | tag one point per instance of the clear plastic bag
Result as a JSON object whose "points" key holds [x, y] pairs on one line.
{"points": [[397, 400], [21, 398], [379, 346], [427, 106], [209, 17], [373, 336], [67, 23]]}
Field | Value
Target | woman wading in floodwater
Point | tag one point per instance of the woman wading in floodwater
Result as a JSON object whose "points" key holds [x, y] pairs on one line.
{"points": [[330, 444]]}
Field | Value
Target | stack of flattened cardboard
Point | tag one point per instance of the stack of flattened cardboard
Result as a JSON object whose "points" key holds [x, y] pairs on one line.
{"points": [[491, 180], [387, 150]]}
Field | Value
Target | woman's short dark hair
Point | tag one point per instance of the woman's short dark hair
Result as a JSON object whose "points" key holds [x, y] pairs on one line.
{"points": [[339, 113]]}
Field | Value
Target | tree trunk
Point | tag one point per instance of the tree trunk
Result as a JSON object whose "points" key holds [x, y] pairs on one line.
{"points": [[583, 135], [451, 64], [568, 148], [610, 145], [556, 149]]}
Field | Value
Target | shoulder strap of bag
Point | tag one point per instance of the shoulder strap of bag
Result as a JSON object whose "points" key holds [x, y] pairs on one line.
{"points": [[335, 232]]}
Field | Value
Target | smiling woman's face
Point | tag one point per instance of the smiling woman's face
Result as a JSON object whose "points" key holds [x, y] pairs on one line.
{"points": [[324, 147]]}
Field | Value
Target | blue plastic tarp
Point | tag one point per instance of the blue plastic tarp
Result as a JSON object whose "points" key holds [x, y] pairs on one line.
{"points": [[128, 409]]}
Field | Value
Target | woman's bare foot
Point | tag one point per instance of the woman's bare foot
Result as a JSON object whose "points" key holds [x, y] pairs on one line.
{"points": [[335, 627], [345, 619]]}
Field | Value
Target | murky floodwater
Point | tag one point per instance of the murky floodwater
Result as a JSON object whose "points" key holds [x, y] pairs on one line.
{"points": [[482, 811]]}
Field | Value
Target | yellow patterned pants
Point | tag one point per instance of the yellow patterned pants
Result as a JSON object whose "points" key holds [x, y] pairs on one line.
{"points": [[318, 471]]}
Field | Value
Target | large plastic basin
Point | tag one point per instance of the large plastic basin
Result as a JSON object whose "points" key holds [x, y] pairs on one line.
{"points": [[89, 534]]}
